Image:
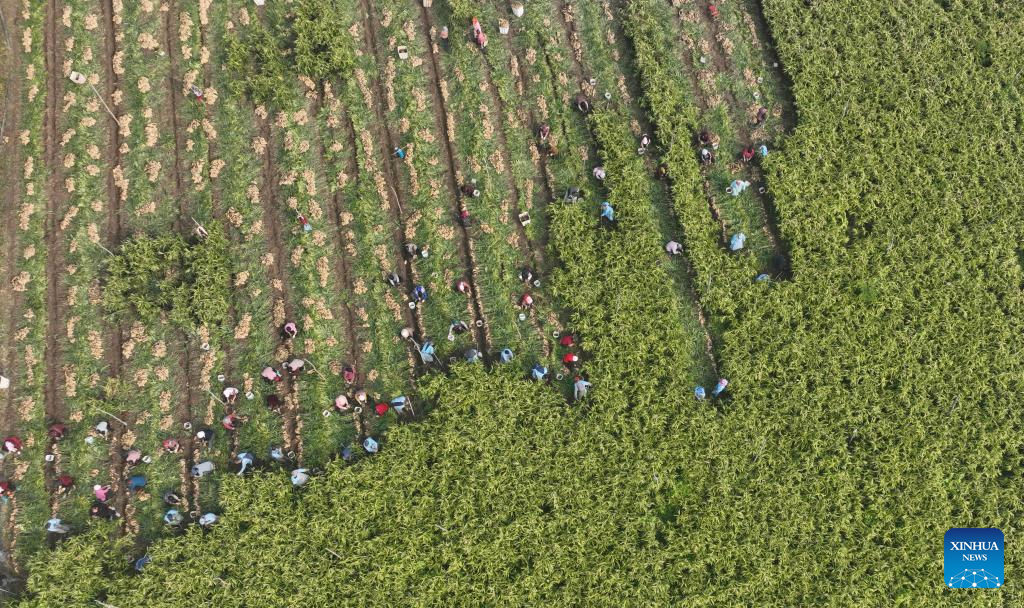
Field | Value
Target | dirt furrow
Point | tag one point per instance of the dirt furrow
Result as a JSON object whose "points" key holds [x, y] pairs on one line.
{"points": [[406, 269], [11, 159], [186, 398], [55, 199], [764, 41], [441, 119], [116, 194], [272, 219], [342, 241], [741, 124]]}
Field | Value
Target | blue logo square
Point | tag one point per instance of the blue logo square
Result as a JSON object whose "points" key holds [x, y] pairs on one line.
{"points": [[973, 558]]}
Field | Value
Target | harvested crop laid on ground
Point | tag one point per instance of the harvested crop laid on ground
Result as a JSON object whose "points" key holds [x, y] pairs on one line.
{"points": [[477, 302]]}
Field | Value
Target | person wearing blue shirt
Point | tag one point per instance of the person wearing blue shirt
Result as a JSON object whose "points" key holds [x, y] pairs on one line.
{"points": [[506, 355], [607, 214], [419, 293], [539, 372], [399, 153]]}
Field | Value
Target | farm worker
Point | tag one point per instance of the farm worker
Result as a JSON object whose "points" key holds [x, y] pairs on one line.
{"points": [[133, 457], [102, 493], [102, 428], [230, 394], [457, 328], [12, 445], [197, 92], [270, 374], [361, 397], [579, 388], [469, 189], [737, 241], [207, 520], [704, 137], [545, 131], [698, 393], [722, 383], [381, 409], [412, 249], [526, 301], [762, 278], [747, 154], [202, 469], [370, 445], [399, 403], [738, 186], [56, 526], [136, 483], [472, 355], [65, 483], [306, 226], [419, 293], [707, 157], [570, 360], [444, 37], [572, 194], [462, 286], [274, 403], [171, 498], [713, 10], [645, 141], [346, 453], [276, 454], [581, 103], [300, 477], [56, 431], [393, 279], [506, 355], [599, 172], [399, 153], [294, 367], [463, 218], [661, 172], [173, 518], [607, 213], [205, 435], [171, 445], [427, 352], [7, 489], [230, 422], [142, 562], [551, 149], [290, 330], [762, 116], [526, 274], [102, 511], [763, 150], [673, 248], [341, 403], [539, 372], [348, 373], [567, 340]]}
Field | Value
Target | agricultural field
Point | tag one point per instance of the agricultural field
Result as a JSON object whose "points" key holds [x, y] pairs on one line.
{"points": [[816, 210]]}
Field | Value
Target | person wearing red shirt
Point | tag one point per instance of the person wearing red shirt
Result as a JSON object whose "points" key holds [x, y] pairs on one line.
{"points": [[748, 154], [526, 301], [7, 489], [57, 431], [12, 445], [381, 408], [570, 360], [230, 421], [65, 483], [567, 340]]}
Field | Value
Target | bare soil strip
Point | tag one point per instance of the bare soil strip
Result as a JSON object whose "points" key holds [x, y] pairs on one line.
{"points": [[741, 123], [55, 199], [185, 401]]}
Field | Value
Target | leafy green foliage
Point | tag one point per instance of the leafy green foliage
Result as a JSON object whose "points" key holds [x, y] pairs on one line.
{"points": [[257, 59], [80, 572], [190, 282], [323, 46]]}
